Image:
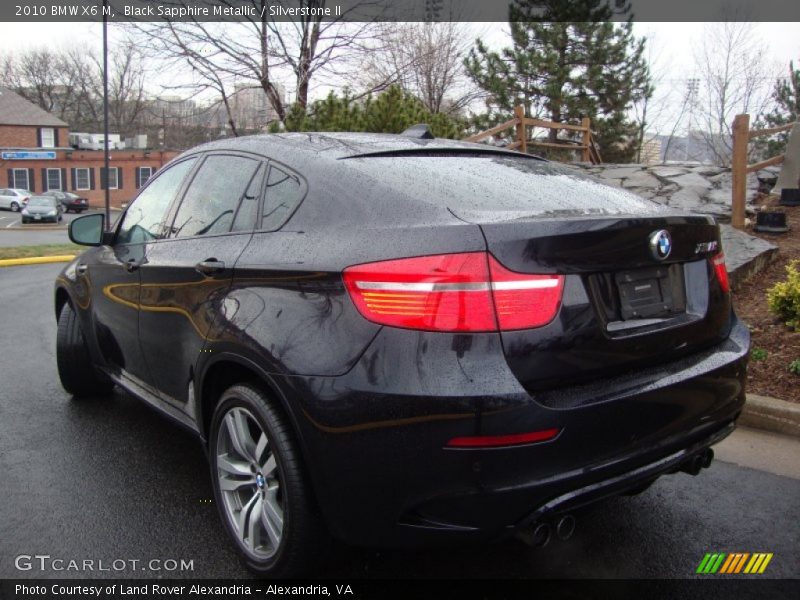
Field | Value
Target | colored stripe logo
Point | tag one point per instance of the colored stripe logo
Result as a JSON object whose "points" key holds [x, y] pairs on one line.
{"points": [[734, 563]]}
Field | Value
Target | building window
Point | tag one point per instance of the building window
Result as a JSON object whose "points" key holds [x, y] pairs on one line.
{"points": [[145, 173], [48, 137], [54, 179], [82, 179], [20, 179], [112, 180]]}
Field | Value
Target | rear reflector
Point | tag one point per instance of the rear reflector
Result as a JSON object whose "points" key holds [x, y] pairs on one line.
{"points": [[722, 272], [497, 441], [468, 291]]}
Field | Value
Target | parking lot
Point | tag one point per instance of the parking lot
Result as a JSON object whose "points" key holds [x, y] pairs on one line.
{"points": [[109, 479], [14, 233]]}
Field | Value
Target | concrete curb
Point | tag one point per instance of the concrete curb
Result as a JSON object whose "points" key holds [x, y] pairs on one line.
{"points": [[35, 260], [771, 414]]}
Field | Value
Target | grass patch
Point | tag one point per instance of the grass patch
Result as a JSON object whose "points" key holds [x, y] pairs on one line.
{"points": [[40, 250]]}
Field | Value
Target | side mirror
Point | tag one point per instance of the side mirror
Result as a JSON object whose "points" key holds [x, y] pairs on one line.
{"points": [[88, 230]]}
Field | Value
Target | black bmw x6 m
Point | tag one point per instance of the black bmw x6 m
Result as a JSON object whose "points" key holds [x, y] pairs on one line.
{"points": [[393, 341]]}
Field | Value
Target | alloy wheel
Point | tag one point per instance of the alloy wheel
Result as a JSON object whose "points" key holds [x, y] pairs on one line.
{"points": [[249, 483]]}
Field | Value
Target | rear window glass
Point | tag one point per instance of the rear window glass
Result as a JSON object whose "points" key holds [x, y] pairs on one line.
{"points": [[284, 192], [501, 187]]}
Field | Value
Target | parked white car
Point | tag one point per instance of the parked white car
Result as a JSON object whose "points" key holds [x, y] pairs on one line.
{"points": [[14, 199]]}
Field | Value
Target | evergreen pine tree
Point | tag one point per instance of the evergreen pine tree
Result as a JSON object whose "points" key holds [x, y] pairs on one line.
{"points": [[567, 61], [786, 97], [390, 112]]}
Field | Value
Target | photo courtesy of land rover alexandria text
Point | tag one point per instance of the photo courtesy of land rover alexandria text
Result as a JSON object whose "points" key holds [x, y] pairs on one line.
{"points": [[395, 340]]}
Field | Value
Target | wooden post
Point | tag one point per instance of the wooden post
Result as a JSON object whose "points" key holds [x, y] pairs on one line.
{"points": [[587, 139], [741, 137], [519, 114]]}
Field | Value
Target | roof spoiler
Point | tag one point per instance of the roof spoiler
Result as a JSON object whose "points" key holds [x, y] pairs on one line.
{"points": [[420, 131]]}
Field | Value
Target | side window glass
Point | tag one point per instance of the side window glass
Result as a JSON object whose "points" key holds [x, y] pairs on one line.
{"points": [[283, 195], [144, 219], [247, 214], [210, 202]]}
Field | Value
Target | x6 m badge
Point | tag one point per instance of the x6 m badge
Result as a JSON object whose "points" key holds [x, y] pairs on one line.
{"points": [[661, 244], [706, 247]]}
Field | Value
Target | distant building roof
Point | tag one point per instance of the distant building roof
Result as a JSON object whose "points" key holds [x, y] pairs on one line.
{"points": [[15, 110]]}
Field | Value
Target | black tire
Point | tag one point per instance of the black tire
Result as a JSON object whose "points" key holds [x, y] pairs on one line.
{"points": [[24, 221], [305, 541], [14, 207], [78, 375]]}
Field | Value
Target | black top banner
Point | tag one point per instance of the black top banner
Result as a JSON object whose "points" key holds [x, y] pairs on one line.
{"points": [[383, 10]]}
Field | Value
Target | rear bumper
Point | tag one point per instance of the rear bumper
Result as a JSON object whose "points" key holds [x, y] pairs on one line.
{"points": [[375, 438]]}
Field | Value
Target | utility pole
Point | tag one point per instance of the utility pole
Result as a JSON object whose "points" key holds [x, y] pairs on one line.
{"points": [[106, 157]]}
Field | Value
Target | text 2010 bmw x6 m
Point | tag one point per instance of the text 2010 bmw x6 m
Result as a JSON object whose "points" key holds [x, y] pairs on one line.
{"points": [[394, 340]]}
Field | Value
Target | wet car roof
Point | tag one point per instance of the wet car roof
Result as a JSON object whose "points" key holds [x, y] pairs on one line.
{"points": [[302, 147]]}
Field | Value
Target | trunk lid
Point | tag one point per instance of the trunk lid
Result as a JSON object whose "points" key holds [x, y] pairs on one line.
{"points": [[624, 307]]}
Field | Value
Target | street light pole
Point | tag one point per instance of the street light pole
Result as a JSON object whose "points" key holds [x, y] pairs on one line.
{"points": [[693, 87], [106, 157]]}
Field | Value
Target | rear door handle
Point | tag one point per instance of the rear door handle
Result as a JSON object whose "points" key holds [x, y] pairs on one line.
{"points": [[209, 266]]}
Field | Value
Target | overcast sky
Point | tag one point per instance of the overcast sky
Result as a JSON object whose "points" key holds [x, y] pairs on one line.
{"points": [[670, 44]]}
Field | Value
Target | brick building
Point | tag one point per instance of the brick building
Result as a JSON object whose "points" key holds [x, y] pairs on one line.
{"points": [[35, 154]]}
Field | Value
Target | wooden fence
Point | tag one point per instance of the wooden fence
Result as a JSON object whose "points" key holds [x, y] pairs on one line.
{"points": [[739, 167], [520, 123]]}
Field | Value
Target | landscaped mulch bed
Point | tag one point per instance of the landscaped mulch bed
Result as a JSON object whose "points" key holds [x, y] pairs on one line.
{"points": [[770, 376]]}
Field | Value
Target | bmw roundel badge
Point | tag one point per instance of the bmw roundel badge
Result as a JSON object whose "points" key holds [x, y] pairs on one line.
{"points": [[661, 244]]}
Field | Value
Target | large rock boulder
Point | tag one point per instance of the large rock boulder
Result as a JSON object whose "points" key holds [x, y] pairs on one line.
{"points": [[688, 187], [692, 181]]}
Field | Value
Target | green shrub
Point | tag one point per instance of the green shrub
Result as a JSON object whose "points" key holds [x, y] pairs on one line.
{"points": [[758, 354], [794, 366], [784, 297]]}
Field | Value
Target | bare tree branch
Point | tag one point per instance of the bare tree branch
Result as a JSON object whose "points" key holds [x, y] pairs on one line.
{"points": [[735, 78]]}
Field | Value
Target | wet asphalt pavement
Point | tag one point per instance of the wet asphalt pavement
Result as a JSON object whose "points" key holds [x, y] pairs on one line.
{"points": [[109, 479]]}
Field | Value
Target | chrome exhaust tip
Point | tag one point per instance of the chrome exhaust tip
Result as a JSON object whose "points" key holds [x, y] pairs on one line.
{"points": [[708, 457], [565, 527], [536, 536], [697, 462]]}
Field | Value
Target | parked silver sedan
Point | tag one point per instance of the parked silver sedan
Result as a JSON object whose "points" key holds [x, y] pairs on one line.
{"points": [[14, 199], [42, 208]]}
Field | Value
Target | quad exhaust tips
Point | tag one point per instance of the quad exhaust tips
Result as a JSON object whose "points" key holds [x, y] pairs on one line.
{"points": [[697, 462], [539, 534]]}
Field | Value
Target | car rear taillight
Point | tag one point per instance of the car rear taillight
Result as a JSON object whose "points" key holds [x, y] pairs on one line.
{"points": [[469, 291], [524, 301], [722, 272]]}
